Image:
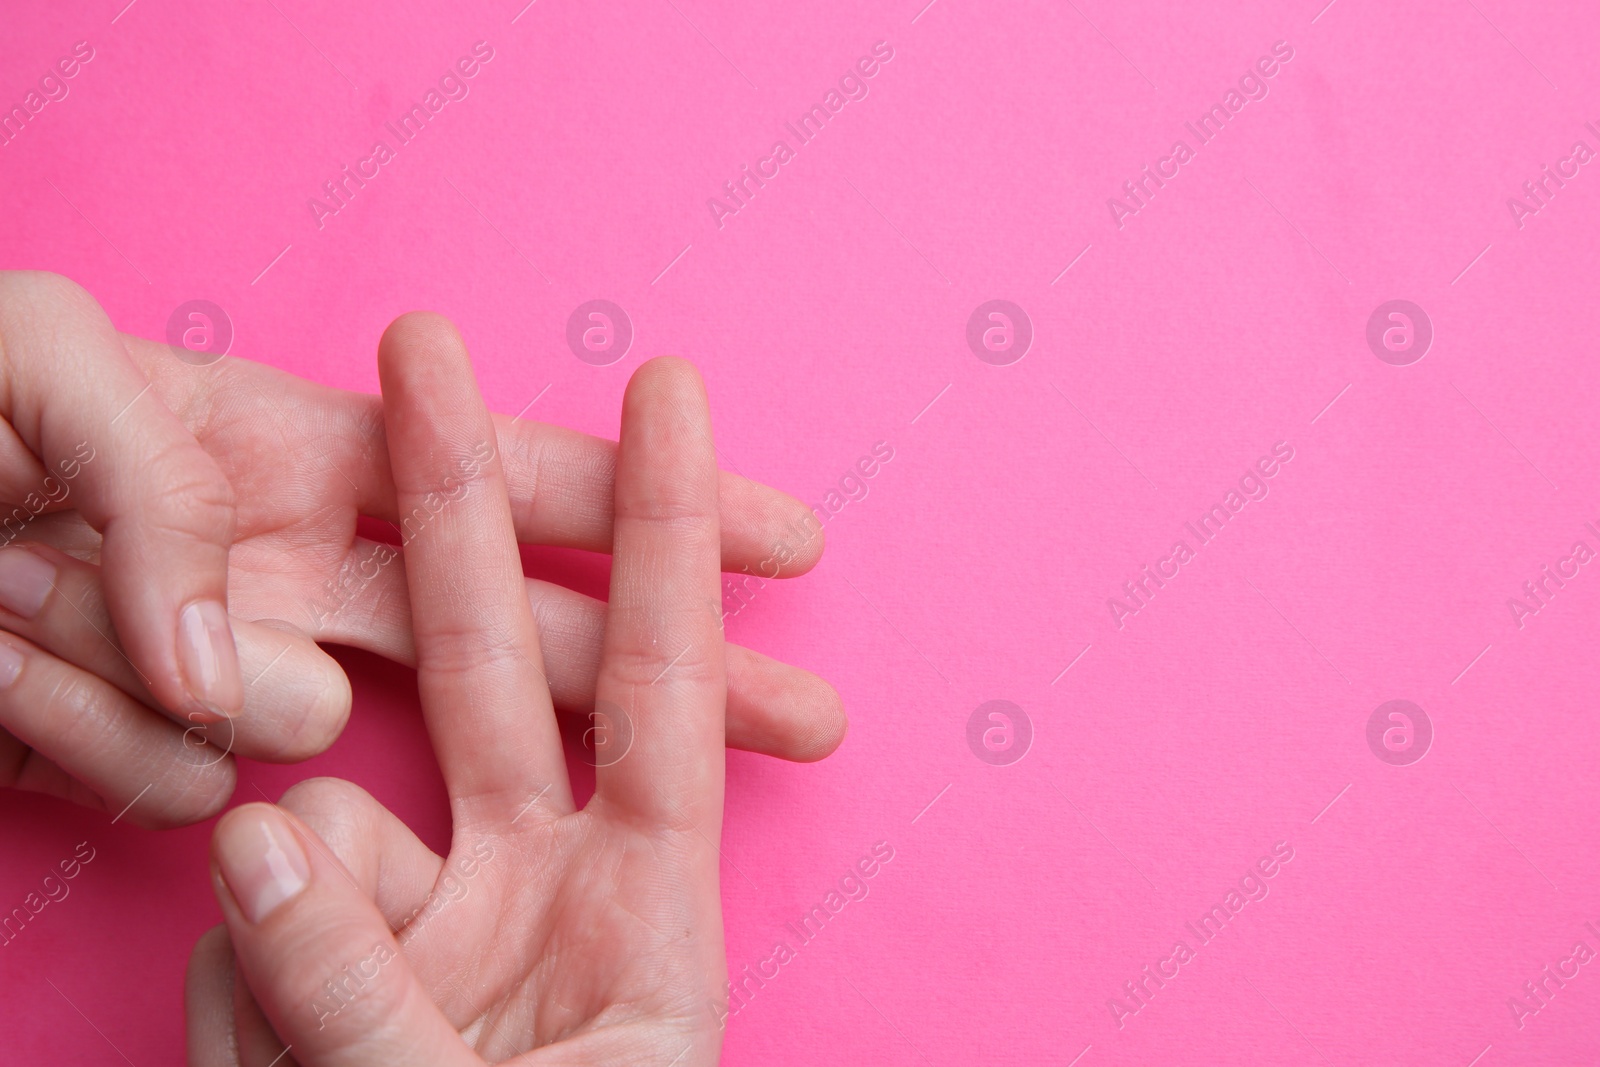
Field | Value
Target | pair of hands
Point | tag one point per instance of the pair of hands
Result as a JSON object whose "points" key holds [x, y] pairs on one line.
{"points": [[593, 936], [239, 484], [548, 934]]}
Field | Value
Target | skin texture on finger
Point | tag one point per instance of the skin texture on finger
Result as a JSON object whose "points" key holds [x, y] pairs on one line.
{"points": [[23, 477], [780, 710], [663, 661], [484, 697], [773, 708], [73, 395], [224, 1026], [318, 956], [297, 698], [258, 1044], [560, 480], [122, 751], [388, 862], [208, 1008]]}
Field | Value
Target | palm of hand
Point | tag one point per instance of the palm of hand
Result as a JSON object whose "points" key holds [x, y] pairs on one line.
{"points": [[296, 508], [576, 948]]}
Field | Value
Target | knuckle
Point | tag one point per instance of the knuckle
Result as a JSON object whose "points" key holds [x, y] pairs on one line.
{"points": [[643, 666], [76, 708], [467, 651], [338, 973], [195, 499], [682, 513]]}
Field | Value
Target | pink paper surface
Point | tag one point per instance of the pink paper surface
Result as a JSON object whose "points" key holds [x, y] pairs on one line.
{"points": [[1173, 346]]}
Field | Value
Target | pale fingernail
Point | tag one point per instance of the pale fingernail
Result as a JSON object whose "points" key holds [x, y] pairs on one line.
{"points": [[261, 860], [10, 665], [25, 581], [209, 660]]}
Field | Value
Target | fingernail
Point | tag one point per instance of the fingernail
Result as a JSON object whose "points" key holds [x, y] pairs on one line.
{"points": [[209, 660], [10, 665], [25, 581], [262, 861]]}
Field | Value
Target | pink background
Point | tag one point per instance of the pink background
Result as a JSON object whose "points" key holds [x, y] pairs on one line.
{"points": [[826, 315]]}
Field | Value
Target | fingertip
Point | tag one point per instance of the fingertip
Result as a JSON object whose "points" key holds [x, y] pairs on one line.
{"points": [[306, 703], [797, 537], [780, 710], [668, 364], [671, 376], [211, 948], [429, 387], [666, 430], [765, 532], [417, 342], [236, 820], [261, 859], [206, 794], [818, 734], [420, 327], [809, 554]]}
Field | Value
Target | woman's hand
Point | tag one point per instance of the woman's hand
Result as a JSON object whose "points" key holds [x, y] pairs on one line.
{"points": [[556, 935], [305, 461], [81, 430]]}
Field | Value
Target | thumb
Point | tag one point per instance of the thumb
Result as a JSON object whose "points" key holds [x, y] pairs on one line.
{"points": [[317, 953], [71, 393]]}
